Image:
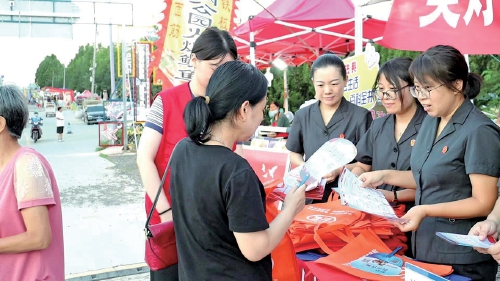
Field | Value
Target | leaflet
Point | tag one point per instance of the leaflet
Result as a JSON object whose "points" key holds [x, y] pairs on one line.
{"points": [[367, 200], [332, 155], [467, 240]]}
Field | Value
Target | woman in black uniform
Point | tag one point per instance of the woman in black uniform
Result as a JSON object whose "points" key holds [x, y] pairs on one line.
{"points": [[454, 164], [390, 139], [331, 117]]}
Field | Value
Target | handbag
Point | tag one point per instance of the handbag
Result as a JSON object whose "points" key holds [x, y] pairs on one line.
{"points": [[161, 247]]}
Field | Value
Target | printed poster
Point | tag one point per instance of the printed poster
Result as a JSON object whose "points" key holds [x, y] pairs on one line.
{"points": [[361, 74]]}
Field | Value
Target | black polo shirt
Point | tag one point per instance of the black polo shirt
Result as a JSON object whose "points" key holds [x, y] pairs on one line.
{"points": [[309, 133], [469, 144], [379, 148]]}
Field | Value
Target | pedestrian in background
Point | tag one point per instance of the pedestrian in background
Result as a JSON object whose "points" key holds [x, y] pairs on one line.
{"points": [[31, 232], [59, 123]]}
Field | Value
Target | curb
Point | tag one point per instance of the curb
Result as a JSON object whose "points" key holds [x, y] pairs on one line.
{"points": [[112, 272]]}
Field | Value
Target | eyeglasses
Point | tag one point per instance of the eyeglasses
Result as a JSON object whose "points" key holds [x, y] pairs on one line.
{"points": [[391, 94], [422, 92]]}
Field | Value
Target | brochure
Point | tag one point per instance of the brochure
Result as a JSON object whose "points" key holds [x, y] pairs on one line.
{"points": [[415, 273], [367, 200], [467, 240], [332, 155]]}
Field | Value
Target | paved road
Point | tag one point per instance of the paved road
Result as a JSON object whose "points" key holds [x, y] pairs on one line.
{"points": [[102, 205]]}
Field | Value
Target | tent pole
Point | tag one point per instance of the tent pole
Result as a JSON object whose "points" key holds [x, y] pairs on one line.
{"points": [[285, 84], [252, 48], [358, 30]]}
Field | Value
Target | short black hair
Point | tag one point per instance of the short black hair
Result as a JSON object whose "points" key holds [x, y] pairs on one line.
{"points": [[14, 108]]}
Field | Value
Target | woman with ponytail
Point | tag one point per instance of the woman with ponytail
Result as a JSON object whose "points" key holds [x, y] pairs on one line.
{"points": [[454, 164], [165, 126], [217, 199]]}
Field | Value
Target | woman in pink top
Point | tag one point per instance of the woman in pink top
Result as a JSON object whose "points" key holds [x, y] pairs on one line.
{"points": [[31, 235]]}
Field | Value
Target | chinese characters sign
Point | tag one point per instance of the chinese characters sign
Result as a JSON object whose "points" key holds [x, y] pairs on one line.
{"points": [[130, 60], [467, 25], [184, 22], [361, 73]]}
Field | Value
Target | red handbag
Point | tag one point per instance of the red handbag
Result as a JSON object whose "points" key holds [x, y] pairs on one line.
{"points": [[161, 247]]}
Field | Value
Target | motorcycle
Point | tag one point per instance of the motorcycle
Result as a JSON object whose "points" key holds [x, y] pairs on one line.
{"points": [[36, 132]]}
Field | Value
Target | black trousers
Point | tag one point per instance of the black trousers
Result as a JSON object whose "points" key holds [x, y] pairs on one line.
{"points": [[484, 271], [170, 273]]}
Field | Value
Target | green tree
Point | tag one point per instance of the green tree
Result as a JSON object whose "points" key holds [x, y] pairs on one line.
{"points": [[50, 72]]}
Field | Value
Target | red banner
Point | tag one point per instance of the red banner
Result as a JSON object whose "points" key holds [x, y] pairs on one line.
{"points": [[468, 25], [183, 22]]}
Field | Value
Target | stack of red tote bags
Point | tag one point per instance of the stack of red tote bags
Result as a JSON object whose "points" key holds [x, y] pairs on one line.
{"points": [[333, 215]]}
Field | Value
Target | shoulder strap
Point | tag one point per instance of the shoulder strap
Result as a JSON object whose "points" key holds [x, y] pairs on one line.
{"points": [[161, 186]]}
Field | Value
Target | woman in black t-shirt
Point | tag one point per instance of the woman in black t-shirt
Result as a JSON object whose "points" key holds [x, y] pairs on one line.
{"points": [[217, 199]]}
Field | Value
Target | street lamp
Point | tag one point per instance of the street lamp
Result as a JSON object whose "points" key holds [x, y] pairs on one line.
{"points": [[280, 64], [64, 76]]}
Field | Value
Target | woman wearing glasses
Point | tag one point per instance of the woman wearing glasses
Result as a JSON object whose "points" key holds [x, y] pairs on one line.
{"points": [[454, 164], [389, 141], [331, 117]]}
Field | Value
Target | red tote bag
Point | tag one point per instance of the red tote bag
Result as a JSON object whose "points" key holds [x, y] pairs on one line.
{"points": [[366, 256], [285, 266]]}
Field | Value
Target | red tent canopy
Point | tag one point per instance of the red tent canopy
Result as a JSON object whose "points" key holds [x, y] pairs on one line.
{"points": [[473, 27], [65, 94], [298, 31]]}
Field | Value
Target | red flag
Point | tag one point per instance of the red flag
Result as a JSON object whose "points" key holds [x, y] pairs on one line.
{"points": [[472, 26], [182, 24]]}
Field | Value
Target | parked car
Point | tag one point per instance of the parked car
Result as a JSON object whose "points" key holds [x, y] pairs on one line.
{"points": [[50, 109], [94, 113]]}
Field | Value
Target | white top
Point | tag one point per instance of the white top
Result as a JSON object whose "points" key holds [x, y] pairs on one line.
{"points": [[60, 119]]}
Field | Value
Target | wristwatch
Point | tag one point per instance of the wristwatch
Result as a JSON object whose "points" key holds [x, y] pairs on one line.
{"points": [[395, 200]]}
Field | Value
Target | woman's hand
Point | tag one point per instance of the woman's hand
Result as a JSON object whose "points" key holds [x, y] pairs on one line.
{"points": [[484, 229], [494, 251], [295, 200], [372, 179], [414, 217], [331, 176]]}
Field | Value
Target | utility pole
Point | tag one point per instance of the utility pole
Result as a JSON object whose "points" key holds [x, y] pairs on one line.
{"points": [[52, 78], [64, 76], [112, 59], [93, 63], [124, 89]]}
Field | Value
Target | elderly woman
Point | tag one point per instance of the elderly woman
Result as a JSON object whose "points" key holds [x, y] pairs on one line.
{"points": [[31, 235]]}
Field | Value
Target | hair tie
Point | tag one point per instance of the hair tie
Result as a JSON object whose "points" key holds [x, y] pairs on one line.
{"points": [[207, 99]]}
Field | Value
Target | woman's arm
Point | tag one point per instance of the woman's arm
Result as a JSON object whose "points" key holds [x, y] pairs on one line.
{"points": [[359, 168], [405, 195], [146, 153], [484, 195], [391, 177], [256, 245], [37, 236], [297, 159], [480, 204]]}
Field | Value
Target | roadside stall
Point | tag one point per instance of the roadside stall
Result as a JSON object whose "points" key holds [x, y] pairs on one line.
{"points": [[331, 241]]}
